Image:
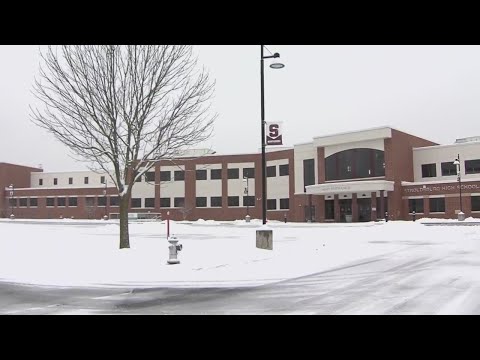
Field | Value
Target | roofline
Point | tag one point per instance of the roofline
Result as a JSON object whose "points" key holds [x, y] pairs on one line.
{"points": [[447, 145], [357, 131], [26, 166]]}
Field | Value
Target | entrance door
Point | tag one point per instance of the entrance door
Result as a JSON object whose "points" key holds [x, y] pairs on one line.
{"points": [[345, 210], [364, 209]]}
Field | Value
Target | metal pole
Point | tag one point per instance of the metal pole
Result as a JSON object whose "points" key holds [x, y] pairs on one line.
{"points": [[264, 192], [460, 182], [106, 203], [248, 200], [168, 225], [11, 199]]}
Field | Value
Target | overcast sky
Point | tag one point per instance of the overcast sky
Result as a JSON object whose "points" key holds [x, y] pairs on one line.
{"points": [[428, 91]]}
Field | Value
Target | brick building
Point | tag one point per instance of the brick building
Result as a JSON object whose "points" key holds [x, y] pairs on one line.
{"points": [[355, 176]]}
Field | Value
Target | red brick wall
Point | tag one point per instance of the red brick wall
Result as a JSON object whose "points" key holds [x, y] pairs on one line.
{"points": [[17, 175], [399, 167], [21, 176]]}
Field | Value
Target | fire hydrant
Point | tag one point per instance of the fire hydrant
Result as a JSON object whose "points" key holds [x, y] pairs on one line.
{"points": [[174, 248]]}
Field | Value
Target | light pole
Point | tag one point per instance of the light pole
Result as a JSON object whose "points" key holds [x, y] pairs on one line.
{"points": [[105, 217], [461, 215], [275, 65], [12, 189], [245, 179]]}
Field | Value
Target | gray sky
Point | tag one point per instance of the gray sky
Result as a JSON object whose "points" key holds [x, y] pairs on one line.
{"points": [[429, 91]]}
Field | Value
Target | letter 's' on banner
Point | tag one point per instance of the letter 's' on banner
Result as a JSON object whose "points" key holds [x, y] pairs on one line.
{"points": [[274, 133]]}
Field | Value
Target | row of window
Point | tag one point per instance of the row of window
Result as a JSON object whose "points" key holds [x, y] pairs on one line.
{"points": [[438, 204], [63, 201], [215, 201], [178, 202], [70, 180], [179, 175], [232, 173], [448, 168]]}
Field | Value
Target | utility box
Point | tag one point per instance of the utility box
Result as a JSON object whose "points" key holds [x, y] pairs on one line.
{"points": [[265, 239]]}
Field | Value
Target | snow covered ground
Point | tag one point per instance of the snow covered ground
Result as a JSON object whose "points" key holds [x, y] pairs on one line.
{"points": [[215, 254]]}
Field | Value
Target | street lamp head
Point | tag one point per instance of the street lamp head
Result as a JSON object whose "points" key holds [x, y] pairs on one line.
{"points": [[276, 64]]}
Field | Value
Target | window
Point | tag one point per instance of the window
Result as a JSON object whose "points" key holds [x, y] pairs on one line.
{"points": [[72, 201], [379, 163], [70, 181], [114, 200], [23, 202], [55, 181], [89, 202], [33, 202], [85, 180], [165, 176], [472, 166], [271, 171], [201, 202], [475, 203], [40, 182], [329, 210], [102, 179], [448, 169], [233, 173], [215, 174], [429, 170], [249, 201], [271, 204], [249, 173], [437, 205], [136, 202], [283, 170], [363, 163], [150, 202], [61, 201], [355, 163], [233, 200], [308, 172], [179, 202], [165, 202], [284, 203], [216, 201], [101, 201], [137, 179], [201, 174], [50, 201], [13, 202], [415, 205], [179, 175], [150, 176]]}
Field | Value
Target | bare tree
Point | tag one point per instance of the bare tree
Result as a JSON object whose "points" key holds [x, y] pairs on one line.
{"points": [[123, 108], [185, 210]]}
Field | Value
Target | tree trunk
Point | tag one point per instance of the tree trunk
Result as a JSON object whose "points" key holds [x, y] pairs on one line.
{"points": [[124, 235]]}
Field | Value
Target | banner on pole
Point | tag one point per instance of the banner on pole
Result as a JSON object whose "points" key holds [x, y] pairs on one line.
{"points": [[274, 133]]}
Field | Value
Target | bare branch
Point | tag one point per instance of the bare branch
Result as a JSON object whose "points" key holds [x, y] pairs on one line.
{"points": [[122, 108]]}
